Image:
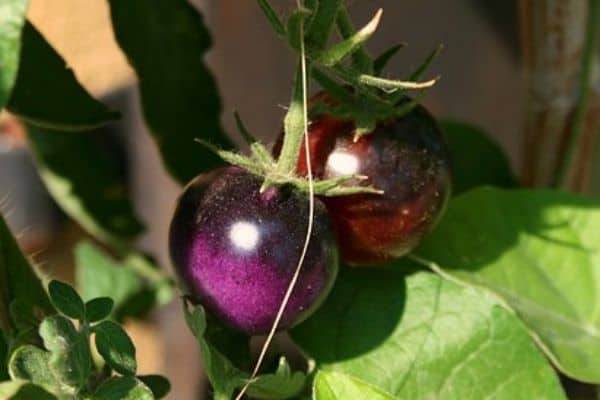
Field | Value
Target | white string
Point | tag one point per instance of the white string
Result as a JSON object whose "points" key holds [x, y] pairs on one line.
{"points": [[311, 212]]}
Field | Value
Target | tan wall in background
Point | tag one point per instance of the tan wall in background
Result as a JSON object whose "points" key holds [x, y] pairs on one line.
{"points": [[80, 31]]}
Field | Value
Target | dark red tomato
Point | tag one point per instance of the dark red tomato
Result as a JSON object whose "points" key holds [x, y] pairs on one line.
{"points": [[235, 250], [407, 158]]}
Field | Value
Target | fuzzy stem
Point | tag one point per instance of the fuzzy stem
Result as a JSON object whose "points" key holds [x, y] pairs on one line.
{"points": [[562, 174]]}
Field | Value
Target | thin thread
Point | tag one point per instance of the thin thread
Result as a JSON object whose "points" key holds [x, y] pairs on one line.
{"points": [[311, 212]]}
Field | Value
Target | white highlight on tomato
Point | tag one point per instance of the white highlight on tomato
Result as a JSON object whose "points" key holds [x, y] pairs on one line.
{"points": [[244, 235], [343, 163]]}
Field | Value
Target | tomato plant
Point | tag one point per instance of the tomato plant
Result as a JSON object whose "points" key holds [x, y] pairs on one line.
{"points": [[470, 286]]}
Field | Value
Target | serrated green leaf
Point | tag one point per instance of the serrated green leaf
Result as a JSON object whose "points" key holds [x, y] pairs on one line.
{"points": [[321, 23], [85, 182], [123, 388], [115, 346], [272, 17], [159, 385], [331, 385], [179, 95], [426, 338], [540, 252], [12, 18], [281, 385], [222, 374], [22, 390], [54, 99], [66, 300], [476, 159], [30, 363], [70, 359], [348, 46], [98, 309], [18, 283]]}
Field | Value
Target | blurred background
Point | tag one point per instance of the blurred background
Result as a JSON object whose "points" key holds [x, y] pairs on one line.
{"points": [[482, 83]]}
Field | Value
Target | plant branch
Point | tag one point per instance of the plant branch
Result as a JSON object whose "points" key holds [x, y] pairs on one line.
{"points": [[561, 176]]}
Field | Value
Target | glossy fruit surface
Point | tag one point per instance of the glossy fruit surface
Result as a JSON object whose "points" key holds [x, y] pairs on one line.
{"points": [[235, 250], [407, 158]]}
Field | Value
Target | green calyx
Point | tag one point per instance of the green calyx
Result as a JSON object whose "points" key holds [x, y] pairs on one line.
{"points": [[347, 73]]}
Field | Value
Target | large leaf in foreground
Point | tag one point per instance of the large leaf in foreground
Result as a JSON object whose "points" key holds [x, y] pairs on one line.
{"points": [[540, 251], [20, 287], [47, 93], [85, 182], [12, 18], [476, 159], [381, 335], [165, 42]]}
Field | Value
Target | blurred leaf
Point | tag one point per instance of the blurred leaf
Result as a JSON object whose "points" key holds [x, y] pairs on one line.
{"points": [[294, 28], [98, 309], [70, 359], [179, 95], [123, 388], [476, 159], [134, 293], [159, 385], [348, 46], [272, 17], [21, 390], [3, 357], [382, 60], [332, 385], [116, 347], [420, 337], [281, 385], [540, 252], [66, 300], [12, 18], [85, 183], [18, 283], [53, 99], [322, 22], [31, 364]]}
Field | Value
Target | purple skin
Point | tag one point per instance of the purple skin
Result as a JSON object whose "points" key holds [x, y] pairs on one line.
{"points": [[236, 249]]}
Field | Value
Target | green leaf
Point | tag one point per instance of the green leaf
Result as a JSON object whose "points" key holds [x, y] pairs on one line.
{"points": [[393, 85], [331, 385], [539, 251], [115, 346], [12, 18], [322, 23], [22, 390], [85, 182], [123, 388], [294, 27], [32, 364], [66, 300], [382, 60], [133, 293], [222, 374], [159, 385], [361, 61], [98, 309], [281, 385], [18, 283], [179, 95], [345, 48], [70, 359], [476, 159], [53, 99], [272, 17], [421, 337], [3, 357]]}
